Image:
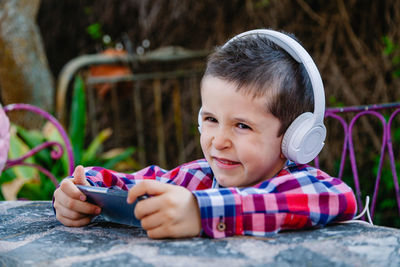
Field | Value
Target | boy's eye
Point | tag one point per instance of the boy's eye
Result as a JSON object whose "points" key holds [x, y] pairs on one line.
{"points": [[243, 126], [210, 119]]}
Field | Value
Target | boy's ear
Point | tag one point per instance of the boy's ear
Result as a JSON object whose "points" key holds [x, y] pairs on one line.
{"points": [[282, 156], [199, 120]]}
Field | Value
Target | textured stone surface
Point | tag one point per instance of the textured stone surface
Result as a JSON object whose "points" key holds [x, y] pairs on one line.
{"points": [[31, 236]]}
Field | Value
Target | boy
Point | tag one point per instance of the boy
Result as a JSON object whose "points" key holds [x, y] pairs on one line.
{"points": [[251, 93]]}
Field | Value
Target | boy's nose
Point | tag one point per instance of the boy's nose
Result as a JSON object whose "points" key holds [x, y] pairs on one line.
{"points": [[221, 140]]}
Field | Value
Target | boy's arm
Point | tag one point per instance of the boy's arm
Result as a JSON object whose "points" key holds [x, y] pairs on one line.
{"points": [[70, 203], [181, 175], [286, 202]]}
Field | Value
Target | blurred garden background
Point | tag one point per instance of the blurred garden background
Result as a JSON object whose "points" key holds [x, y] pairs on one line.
{"points": [[143, 110]]}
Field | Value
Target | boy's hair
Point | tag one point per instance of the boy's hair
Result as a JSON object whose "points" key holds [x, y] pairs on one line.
{"points": [[261, 68]]}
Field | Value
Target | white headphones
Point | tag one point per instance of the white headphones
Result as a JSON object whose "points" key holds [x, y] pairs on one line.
{"points": [[305, 137]]}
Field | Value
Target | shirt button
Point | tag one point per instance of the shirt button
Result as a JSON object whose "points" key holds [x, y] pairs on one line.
{"points": [[221, 226]]}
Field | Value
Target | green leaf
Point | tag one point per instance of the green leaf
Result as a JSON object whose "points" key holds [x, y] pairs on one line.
{"points": [[121, 157], [47, 187], [387, 204], [396, 135], [52, 134], [32, 191], [94, 30], [389, 45], [18, 149], [95, 146], [77, 124], [7, 176], [262, 3], [34, 138], [396, 60], [396, 73]]}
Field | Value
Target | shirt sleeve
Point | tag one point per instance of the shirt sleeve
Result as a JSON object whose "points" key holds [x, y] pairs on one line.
{"points": [[193, 175], [292, 201]]}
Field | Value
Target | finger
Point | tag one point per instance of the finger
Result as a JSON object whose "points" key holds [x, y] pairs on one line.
{"points": [[163, 232], [149, 187], [69, 188], [74, 223], [152, 221], [170, 231], [148, 206], [70, 214], [62, 199], [79, 176]]}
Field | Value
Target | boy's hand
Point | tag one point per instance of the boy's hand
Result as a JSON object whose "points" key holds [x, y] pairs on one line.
{"points": [[69, 201], [172, 211]]}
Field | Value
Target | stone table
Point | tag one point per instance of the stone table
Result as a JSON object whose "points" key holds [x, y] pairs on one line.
{"points": [[31, 236]]}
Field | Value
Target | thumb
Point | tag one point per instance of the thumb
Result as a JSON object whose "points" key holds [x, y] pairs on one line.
{"points": [[79, 176]]}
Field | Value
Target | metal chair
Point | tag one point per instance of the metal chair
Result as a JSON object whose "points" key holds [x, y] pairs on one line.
{"points": [[386, 114], [55, 154]]}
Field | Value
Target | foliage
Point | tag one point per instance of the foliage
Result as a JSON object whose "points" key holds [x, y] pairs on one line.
{"points": [[392, 51], [332, 101], [387, 202], [28, 183], [95, 31], [77, 124], [77, 131]]}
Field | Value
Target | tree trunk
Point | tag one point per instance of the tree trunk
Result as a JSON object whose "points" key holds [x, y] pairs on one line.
{"points": [[24, 72]]}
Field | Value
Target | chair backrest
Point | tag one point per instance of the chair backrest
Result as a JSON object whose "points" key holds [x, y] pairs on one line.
{"points": [[146, 104], [55, 154], [349, 118], [4, 137]]}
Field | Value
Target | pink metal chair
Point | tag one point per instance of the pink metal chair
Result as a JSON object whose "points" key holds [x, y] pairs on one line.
{"points": [[348, 144], [55, 154], [4, 138]]}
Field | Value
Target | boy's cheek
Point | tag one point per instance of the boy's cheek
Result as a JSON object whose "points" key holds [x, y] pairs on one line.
{"points": [[203, 144]]}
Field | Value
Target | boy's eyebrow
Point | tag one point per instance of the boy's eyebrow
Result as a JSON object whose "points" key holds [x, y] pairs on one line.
{"points": [[206, 113], [238, 119], [243, 120]]}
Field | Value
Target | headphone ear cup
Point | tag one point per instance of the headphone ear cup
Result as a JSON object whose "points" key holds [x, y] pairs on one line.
{"points": [[199, 120], [304, 139]]}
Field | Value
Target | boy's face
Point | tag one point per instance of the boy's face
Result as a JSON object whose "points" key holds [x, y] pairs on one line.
{"points": [[238, 135]]}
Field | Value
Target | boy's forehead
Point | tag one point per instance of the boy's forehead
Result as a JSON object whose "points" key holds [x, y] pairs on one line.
{"points": [[252, 92]]}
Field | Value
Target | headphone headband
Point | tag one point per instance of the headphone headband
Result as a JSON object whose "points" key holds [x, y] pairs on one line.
{"points": [[292, 47]]}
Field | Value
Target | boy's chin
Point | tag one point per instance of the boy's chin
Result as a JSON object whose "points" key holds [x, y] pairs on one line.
{"points": [[231, 182], [227, 182]]}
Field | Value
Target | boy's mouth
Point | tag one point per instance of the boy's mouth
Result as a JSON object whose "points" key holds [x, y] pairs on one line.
{"points": [[226, 163]]}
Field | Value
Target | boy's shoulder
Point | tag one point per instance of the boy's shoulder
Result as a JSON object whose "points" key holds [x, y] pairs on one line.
{"points": [[299, 178], [297, 170], [199, 162], [196, 165]]}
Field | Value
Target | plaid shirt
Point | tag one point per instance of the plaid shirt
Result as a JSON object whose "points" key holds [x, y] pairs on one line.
{"points": [[299, 196]]}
